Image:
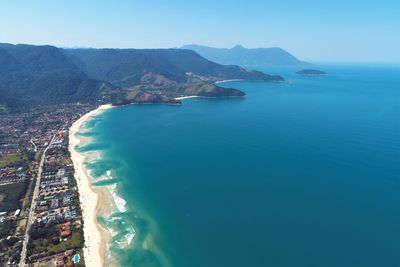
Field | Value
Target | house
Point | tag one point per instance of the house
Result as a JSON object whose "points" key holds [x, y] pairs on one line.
{"points": [[65, 229], [59, 260]]}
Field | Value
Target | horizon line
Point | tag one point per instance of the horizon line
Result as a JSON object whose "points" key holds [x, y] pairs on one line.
{"points": [[314, 61]]}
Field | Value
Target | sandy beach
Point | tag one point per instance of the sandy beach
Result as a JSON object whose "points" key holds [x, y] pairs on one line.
{"points": [[186, 97], [93, 202], [225, 81]]}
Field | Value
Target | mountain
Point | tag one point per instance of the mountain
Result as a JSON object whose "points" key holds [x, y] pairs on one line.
{"points": [[239, 55], [39, 75], [126, 67], [170, 72]]}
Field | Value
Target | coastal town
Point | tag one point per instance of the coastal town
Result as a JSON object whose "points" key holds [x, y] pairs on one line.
{"points": [[41, 220]]}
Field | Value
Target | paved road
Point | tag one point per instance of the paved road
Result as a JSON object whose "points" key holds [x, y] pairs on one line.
{"points": [[33, 206], [33, 143]]}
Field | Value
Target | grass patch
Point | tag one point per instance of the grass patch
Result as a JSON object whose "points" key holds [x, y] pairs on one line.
{"points": [[26, 201], [12, 195], [11, 159], [75, 241]]}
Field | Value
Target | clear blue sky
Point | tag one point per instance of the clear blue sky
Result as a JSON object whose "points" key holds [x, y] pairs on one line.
{"points": [[319, 30]]}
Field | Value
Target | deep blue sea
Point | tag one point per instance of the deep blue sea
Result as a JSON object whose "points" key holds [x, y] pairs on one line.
{"points": [[302, 173]]}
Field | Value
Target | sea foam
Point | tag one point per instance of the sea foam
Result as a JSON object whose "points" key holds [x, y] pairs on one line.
{"points": [[120, 203]]}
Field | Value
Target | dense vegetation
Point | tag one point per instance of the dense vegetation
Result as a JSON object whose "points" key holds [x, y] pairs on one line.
{"points": [[45, 238], [18, 160], [125, 67], [38, 75], [44, 75], [7, 227], [11, 195]]}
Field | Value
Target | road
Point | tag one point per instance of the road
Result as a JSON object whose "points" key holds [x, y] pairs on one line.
{"points": [[35, 195], [34, 145]]}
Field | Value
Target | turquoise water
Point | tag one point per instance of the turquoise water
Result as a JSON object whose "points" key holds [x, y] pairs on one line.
{"points": [[305, 173]]}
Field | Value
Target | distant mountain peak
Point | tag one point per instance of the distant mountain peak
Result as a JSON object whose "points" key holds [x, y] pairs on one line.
{"points": [[238, 47], [239, 55]]}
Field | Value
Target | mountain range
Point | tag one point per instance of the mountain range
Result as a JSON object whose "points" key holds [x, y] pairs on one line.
{"points": [[239, 55], [39, 75]]}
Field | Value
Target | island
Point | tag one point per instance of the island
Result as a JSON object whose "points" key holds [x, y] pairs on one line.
{"points": [[311, 72]]}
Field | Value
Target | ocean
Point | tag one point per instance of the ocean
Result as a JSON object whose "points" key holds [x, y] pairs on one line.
{"points": [[301, 173]]}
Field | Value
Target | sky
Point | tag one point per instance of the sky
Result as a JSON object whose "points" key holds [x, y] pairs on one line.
{"points": [[319, 30]]}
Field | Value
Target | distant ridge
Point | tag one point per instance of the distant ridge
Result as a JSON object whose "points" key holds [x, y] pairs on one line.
{"points": [[240, 55]]}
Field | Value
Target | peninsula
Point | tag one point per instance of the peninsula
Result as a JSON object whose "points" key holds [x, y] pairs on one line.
{"points": [[41, 75]]}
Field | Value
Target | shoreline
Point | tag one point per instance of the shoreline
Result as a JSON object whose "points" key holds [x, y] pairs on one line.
{"points": [[226, 81], [94, 201], [186, 97]]}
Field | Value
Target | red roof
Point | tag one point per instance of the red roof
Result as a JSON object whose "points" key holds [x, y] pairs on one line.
{"points": [[66, 229]]}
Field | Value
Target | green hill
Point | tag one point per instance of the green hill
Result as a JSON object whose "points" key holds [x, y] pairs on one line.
{"points": [[39, 75], [125, 67]]}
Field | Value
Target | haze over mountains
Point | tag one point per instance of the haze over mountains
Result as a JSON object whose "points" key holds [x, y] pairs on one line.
{"points": [[37, 75], [239, 55]]}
